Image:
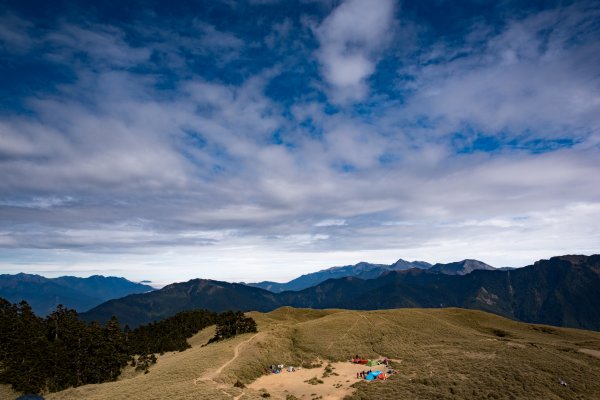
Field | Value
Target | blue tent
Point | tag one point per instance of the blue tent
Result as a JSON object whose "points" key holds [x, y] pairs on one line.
{"points": [[30, 397], [372, 375]]}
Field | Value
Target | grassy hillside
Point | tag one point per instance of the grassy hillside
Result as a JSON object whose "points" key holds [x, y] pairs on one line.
{"points": [[439, 353]]}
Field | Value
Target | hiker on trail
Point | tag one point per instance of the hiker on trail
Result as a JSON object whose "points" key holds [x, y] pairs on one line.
{"points": [[357, 375]]}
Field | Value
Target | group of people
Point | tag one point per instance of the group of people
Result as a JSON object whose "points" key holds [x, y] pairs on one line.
{"points": [[363, 374], [370, 374]]}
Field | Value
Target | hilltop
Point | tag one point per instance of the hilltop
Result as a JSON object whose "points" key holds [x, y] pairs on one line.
{"points": [[438, 353]]}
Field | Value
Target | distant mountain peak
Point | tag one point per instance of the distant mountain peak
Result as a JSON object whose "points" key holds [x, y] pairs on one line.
{"points": [[410, 264], [461, 267], [362, 270], [81, 294]]}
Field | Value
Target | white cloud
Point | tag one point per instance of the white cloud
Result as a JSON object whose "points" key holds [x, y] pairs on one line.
{"points": [[14, 34], [351, 38], [331, 222], [537, 77], [109, 170], [39, 202], [104, 44]]}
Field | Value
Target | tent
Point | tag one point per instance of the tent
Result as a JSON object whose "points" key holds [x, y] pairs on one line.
{"points": [[30, 397], [372, 375], [372, 363]]}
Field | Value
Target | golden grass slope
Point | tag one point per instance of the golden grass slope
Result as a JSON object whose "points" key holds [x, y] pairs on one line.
{"points": [[440, 353], [7, 393]]}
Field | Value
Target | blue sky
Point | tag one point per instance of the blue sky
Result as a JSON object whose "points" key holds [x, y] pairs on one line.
{"points": [[251, 140]]}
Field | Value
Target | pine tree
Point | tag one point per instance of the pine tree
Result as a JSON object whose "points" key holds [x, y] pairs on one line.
{"points": [[116, 355], [65, 333], [61, 351], [24, 348], [232, 323]]}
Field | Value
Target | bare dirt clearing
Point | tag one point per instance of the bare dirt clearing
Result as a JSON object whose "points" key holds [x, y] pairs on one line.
{"points": [[335, 386]]}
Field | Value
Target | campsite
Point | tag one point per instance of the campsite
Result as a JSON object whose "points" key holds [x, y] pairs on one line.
{"points": [[330, 381], [435, 353]]}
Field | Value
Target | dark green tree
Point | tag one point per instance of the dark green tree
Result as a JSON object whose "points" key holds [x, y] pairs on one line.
{"points": [[232, 323], [24, 348], [61, 350], [66, 335]]}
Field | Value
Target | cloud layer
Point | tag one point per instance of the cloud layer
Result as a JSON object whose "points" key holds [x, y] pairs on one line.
{"points": [[262, 140]]}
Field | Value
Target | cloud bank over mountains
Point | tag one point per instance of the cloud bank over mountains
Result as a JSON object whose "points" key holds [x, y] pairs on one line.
{"points": [[275, 138]]}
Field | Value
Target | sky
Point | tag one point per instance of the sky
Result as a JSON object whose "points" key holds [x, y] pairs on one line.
{"points": [[260, 140]]}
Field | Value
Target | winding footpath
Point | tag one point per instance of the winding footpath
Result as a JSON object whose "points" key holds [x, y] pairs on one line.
{"points": [[210, 376]]}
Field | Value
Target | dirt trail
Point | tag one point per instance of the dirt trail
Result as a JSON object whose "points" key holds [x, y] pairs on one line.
{"points": [[210, 376], [236, 353], [591, 352], [351, 328]]}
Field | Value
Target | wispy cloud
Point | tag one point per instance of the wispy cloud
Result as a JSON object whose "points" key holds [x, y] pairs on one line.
{"points": [[534, 78], [299, 138]]}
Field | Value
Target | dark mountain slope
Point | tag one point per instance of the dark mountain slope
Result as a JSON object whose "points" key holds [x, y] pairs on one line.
{"points": [[81, 294], [103, 287], [563, 291], [138, 309], [42, 294]]}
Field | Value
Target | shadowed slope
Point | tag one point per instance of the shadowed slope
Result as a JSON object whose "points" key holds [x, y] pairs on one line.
{"points": [[217, 296], [562, 291], [81, 294]]}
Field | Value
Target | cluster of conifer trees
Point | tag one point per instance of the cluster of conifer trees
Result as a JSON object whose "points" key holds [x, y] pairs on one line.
{"points": [[169, 334], [232, 323], [60, 351], [56, 352]]}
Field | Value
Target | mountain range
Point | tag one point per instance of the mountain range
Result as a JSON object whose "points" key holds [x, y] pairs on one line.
{"points": [[44, 294], [81, 294], [365, 270], [562, 291]]}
